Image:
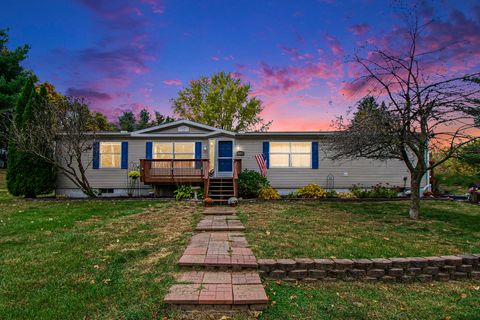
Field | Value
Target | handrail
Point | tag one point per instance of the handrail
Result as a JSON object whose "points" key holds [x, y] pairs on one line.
{"points": [[237, 168]]}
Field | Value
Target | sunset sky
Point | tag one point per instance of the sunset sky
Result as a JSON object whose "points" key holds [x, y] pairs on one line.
{"points": [[127, 55]]}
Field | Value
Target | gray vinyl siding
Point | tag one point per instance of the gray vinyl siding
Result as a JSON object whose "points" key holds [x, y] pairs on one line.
{"points": [[346, 173], [117, 178]]}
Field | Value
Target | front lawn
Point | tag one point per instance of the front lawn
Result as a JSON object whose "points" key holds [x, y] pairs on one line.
{"points": [[360, 229], [89, 259], [437, 300]]}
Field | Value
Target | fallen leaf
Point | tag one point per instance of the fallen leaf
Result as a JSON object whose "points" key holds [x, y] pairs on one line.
{"points": [[385, 238], [292, 297], [463, 295], [267, 233]]}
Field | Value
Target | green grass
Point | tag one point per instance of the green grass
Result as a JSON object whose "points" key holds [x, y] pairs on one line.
{"points": [[89, 259], [360, 230], [116, 259], [452, 300]]}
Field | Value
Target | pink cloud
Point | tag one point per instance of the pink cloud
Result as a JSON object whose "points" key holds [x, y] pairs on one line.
{"points": [[295, 54], [172, 82], [335, 45], [215, 58], [90, 94], [359, 29]]}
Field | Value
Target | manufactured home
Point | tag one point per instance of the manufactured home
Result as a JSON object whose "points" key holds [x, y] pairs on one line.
{"points": [[185, 152]]}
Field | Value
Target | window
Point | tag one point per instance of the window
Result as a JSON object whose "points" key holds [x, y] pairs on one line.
{"points": [[290, 154], [110, 154], [173, 150]]}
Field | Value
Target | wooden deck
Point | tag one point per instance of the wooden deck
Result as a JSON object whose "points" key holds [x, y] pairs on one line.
{"points": [[167, 171]]}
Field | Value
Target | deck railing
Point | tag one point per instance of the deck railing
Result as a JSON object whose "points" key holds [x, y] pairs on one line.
{"points": [[173, 170]]}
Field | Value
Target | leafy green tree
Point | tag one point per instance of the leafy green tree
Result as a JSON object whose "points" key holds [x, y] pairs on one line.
{"points": [[12, 79], [27, 174], [143, 119], [127, 121], [469, 154], [161, 119], [99, 122], [221, 101]]}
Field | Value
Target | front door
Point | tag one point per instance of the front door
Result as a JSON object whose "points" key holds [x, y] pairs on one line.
{"points": [[225, 158]]}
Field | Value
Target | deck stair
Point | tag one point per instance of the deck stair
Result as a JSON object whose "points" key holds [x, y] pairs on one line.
{"points": [[221, 189]]}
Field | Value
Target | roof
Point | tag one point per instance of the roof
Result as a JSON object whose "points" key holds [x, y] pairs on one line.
{"points": [[205, 131]]}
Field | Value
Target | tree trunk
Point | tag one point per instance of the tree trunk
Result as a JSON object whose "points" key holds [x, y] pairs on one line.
{"points": [[414, 210]]}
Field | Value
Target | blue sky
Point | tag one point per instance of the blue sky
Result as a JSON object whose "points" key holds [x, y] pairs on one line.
{"points": [[127, 55]]}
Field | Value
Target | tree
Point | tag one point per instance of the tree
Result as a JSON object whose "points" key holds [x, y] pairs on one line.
{"points": [[64, 125], [161, 119], [469, 154], [425, 111], [99, 122], [12, 79], [221, 101], [143, 119], [28, 174], [127, 121]]}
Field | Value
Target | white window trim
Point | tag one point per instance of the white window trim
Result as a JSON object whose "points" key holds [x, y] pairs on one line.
{"points": [[289, 153], [173, 153], [100, 153]]}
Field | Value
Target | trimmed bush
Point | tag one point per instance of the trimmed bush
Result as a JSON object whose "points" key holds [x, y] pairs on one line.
{"points": [[377, 191], [312, 191], [268, 193], [346, 195], [250, 182]]}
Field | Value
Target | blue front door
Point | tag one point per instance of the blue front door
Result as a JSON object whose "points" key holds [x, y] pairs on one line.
{"points": [[225, 156]]}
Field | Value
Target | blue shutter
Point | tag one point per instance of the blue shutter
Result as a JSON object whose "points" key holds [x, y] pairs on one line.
{"points": [[198, 150], [198, 154], [148, 151], [96, 155], [266, 152], [124, 155], [315, 155]]}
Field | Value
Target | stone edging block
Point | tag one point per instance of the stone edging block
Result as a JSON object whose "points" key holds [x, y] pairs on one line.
{"points": [[404, 270]]}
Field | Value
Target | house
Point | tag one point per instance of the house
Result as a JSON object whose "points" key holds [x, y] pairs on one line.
{"points": [[185, 152]]}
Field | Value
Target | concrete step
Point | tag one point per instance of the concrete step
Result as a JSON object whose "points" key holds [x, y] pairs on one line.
{"points": [[220, 223], [219, 210]]}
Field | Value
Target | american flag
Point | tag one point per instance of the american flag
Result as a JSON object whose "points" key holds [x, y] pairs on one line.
{"points": [[262, 164]]}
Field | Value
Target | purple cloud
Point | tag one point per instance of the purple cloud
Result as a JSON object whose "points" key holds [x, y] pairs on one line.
{"points": [[359, 29], [91, 95], [172, 82]]}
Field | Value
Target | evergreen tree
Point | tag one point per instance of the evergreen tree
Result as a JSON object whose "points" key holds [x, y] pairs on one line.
{"points": [[143, 119], [127, 121], [28, 175]]}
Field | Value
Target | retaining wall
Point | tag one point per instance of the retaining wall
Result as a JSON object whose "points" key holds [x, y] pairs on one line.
{"points": [[405, 270]]}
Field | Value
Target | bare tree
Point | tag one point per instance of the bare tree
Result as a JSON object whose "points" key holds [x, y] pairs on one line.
{"points": [[59, 135], [425, 111]]}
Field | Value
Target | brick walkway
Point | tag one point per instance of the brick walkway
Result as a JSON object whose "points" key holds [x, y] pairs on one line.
{"points": [[237, 286]]}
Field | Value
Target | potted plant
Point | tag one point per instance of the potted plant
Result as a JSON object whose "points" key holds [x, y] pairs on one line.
{"points": [[208, 202]]}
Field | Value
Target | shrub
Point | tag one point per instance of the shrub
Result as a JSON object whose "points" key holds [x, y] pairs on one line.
{"points": [[292, 195], [346, 195], [332, 194], [183, 192], [268, 193], [250, 183], [377, 191], [312, 191]]}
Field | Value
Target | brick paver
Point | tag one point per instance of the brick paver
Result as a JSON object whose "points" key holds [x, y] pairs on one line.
{"points": [[220, 223], [221, 245], [218, 249]]}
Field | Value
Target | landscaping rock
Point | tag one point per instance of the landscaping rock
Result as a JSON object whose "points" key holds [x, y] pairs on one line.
{"points": [[442, 276], [453, 260], [298, 274], [388, 279], [475, 275], [343, 264], [470, 259], [364, 264], [316, 273], [277, 274], [412, 271], [340, 274], [418, 262], [424, 277], [266, 264], [376, 273], [400, 262], [431, 270], [380, 263], [395, 272], [357, 273], [406, 279], [324, 264], [465, 268], [435, 261], [286, 264], [448, 269], [460, 275], [305, 263]]}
